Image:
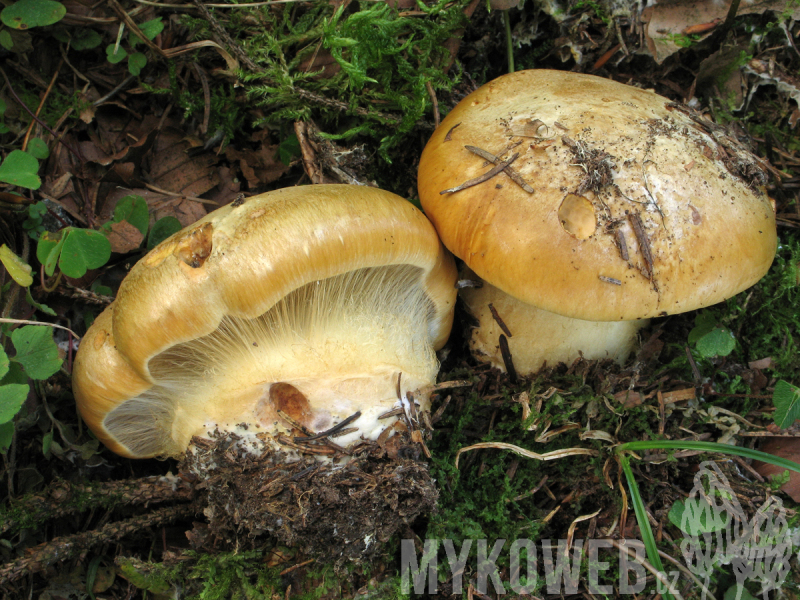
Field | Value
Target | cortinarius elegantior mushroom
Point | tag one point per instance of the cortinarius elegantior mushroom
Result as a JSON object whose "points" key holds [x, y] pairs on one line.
{"points": [[605, 205], [306, 302]]}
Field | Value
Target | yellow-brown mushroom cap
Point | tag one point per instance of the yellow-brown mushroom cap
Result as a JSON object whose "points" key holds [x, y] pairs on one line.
{"points": [[639, 208], [238, 262]]}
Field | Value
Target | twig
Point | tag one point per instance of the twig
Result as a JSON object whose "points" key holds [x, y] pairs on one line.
{"points": [[330, 445], [49, 553], [206, 97], [177, 195], [63, 498], [329, 432], [644, 242], [481, 178], [435, 103], [512, 173], [658, 574], [41, 103], [508, 360], [38, 120], [87, 296], [26, 322], [499, 320], [126, 18], [114, 92]]}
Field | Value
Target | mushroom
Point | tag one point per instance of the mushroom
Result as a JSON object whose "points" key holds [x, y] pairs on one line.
{"points": [[588, 206], [296, 308]]}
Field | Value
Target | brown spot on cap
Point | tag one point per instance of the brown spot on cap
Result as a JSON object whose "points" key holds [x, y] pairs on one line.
{"points": [[195, 246], [288, 399], [696, 216], [577, 216], [100, 339]]}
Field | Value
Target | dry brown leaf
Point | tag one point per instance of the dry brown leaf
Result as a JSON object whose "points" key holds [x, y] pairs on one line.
{"points": [[60, 186], [171, 168], [324, 66], [679, 395], [186, 211], [124, 237], [628, 398], [669, 21], [762, 363], [260, 166], [228, 188], [716, 77], [785, 447]]}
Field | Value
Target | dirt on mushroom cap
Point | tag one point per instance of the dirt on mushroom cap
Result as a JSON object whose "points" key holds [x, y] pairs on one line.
{"points": [[680, 220]]}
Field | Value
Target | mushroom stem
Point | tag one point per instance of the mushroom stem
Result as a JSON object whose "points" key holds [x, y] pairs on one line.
{"points": [[539, 336]]}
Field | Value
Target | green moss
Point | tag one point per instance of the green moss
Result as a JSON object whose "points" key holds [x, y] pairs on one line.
{"points": [[387, 62], [224, 576], [225, 112]]}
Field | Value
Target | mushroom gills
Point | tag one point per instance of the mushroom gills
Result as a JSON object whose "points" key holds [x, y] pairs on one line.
{"points": [[341, 342]]}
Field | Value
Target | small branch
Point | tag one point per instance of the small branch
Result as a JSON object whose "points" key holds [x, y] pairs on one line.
{"points": [[42, 556], [481, 178], [644, 242], [38, 120], [126, 18], [26, 322], [512, 173], [63, 498]]}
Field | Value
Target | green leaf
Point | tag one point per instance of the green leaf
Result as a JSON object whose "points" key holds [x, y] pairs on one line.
{"points": [[36, 351], [49, 249], [83, 249], [133, 209], [20, 168], [786, 399], [136, 63], [698, 516], [38, 149], [19, 270], [15, 375], [85, 39], [152, 27], [738, 592], [4, 362], [99, 288], [7, 43], [115, 57], [12, 397], [47, 440], [6, 435], [704, 322], [161, 230], [38, 306], [718, 342], [33, 13], [289, 149], [37, 210]]}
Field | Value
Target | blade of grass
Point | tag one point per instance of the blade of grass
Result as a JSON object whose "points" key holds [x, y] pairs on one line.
{"points": [[708, 447], [641, 517]]}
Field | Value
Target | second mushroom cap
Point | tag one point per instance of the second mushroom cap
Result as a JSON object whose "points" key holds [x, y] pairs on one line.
{"points": [[621, 205]]}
